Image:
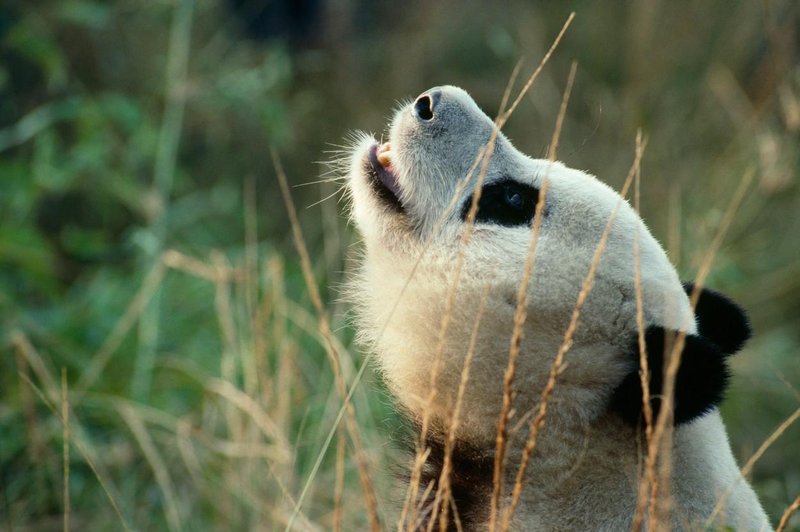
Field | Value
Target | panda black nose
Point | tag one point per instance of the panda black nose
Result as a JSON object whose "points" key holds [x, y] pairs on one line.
{"points": [[426, 104]]}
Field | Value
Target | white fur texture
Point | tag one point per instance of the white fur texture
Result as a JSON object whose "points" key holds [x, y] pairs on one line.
{"points": [[585, 471]]}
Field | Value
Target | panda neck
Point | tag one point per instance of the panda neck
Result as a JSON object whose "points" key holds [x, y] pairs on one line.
{"points": [[563, 466]]}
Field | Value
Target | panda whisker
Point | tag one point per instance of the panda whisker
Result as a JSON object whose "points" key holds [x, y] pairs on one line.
{"points": [[337, 180], [326, 198]]}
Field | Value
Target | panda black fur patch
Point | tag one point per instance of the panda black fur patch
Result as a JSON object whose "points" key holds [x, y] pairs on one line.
{"points": [[699, 384], [720, 320], [471, 477], [505, 202]]}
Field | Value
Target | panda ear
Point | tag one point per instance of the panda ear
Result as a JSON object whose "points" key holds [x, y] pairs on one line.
{"points": [[720, 320], [699, 384]]}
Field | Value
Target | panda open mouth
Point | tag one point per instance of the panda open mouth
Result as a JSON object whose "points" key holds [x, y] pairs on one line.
{"points": [[382, 175]]}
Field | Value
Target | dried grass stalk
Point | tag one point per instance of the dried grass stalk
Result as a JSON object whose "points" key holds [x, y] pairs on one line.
{"points": [[748, 466], [520, 312], [566, 344], [44, 375], [333, 357], [500, 446], [787, 514], [65, 445]]}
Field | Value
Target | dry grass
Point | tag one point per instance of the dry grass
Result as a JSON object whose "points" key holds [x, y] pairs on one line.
{"points": [[444, 478], [644, 373], [50, 398], [65, 445], [508, 377], [654, 488], [333, 357], [787, 514], [411, 510], [748, 467], [520, 313], [443, 497]]}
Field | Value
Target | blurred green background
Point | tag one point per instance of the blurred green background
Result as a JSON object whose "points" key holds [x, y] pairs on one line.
{"points": [[146, 255]]}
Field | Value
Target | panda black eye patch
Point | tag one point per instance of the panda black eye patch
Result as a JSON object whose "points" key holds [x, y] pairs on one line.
{"points": [[506, 202]]}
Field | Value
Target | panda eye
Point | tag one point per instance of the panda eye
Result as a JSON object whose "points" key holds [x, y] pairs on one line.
{"points": [[505, 202], [514, 199]]}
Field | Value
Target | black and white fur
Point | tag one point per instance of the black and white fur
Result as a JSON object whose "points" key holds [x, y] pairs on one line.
{"points": [[410, 201]]}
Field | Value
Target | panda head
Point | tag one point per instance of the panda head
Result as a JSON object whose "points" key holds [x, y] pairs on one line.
{"points": [[410, 201]]}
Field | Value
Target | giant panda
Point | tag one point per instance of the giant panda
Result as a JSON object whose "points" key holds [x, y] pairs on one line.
{"points": [[411, 198]]}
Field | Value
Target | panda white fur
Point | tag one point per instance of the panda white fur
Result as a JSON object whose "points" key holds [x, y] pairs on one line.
{"points": [[585, 471]]}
